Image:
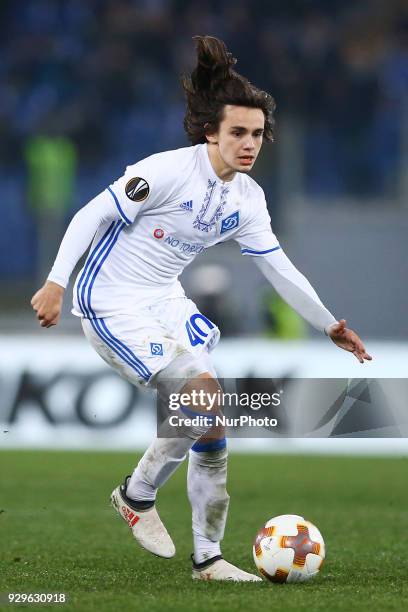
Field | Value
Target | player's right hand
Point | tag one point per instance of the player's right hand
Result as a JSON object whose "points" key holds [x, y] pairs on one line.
{"points": [[47, 303], [348, 340]]}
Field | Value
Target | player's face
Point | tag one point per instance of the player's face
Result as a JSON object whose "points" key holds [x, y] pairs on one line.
{"points": [[239, 137]]}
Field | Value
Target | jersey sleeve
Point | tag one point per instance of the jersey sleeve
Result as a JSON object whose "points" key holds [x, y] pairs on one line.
{"points": [[256, 237], [79, 235], [295, 289], [140, 188]]}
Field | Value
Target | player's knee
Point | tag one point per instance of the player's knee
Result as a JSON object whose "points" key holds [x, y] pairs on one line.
{"points": [[202, 394], [181, 371], [192, 394], [213, 439], [198, 407]]}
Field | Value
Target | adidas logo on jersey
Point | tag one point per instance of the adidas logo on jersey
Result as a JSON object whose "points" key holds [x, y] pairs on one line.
{"points": [[188, 206]]}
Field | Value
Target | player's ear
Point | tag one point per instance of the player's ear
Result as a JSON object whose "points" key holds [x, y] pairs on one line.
{"points": [[210, 133]]}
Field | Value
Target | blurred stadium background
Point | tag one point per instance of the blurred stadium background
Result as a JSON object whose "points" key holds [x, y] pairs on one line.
{"points": [[89, 87]]}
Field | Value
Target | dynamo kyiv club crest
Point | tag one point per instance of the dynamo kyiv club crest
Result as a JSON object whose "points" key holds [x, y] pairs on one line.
{"points": [[156, 348], [230, 223]]}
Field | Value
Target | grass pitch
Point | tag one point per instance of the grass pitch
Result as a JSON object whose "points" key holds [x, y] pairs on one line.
{"points": [[59, 534]]}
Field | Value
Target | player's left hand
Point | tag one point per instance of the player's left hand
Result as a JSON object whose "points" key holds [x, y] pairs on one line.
{"points": [[348, 340]]}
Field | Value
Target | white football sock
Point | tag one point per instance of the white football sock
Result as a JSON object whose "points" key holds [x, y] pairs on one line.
{"points": [[206, 485], [159, 462], [166, 453], [204, 548], [139, 489]]}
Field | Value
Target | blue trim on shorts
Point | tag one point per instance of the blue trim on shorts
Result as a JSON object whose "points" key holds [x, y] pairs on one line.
{"points": [[118, 206], [214, 445], [128, 357], [126, 349]]}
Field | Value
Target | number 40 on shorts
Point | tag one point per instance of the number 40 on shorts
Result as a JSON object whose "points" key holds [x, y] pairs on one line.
{"points": [[195, 332]]}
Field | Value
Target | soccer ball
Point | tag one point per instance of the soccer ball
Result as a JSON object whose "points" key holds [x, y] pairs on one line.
{"points": [[288, 549]]}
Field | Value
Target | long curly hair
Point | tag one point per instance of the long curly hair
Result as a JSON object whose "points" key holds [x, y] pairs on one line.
{"points": [[213, 84]]}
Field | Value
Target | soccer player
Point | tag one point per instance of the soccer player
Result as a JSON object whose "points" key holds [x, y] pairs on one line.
{"points": [[145, 228]]}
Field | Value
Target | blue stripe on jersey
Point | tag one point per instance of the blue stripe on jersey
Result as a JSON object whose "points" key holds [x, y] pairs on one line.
{"points": [[125, 349], [251, 252], [89, 262], [106, 250], [96, 324], [122, 214], [213, 445], [92, 262], [99, 254]]}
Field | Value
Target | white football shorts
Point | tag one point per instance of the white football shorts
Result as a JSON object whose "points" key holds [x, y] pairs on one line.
{"points": [[140, 346]]}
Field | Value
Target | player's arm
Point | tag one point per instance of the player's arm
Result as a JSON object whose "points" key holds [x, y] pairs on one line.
{"points": [[296, 290], [257, 240], [143, 186], [47, 301]]}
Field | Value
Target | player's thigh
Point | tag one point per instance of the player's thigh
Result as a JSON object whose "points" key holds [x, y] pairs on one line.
{"points": [[136, 347]]}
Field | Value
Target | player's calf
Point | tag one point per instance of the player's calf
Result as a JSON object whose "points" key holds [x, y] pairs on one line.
{"points": [[207, 492]]}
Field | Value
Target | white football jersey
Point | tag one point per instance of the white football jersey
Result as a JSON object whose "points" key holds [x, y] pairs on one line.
{"points": [[170, 207]]}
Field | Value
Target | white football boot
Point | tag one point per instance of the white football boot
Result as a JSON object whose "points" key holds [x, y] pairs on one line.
{"points": [[146, 526], [219, 569]]}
